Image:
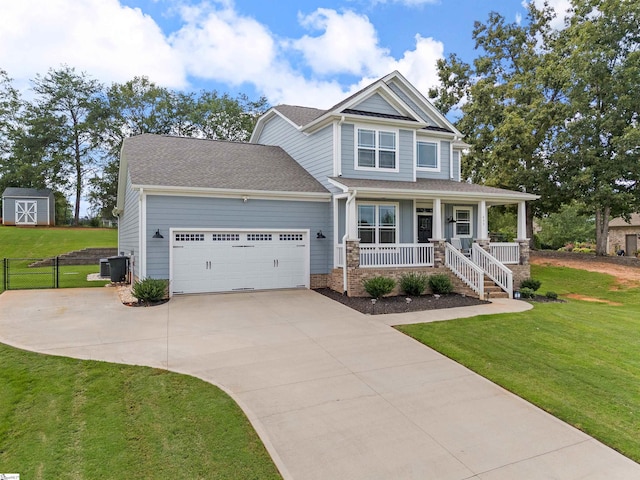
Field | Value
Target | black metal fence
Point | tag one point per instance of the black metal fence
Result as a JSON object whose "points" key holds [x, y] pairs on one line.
{"points": [[58, 272]]}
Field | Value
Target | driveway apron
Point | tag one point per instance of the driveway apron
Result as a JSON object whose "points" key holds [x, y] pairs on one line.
{"points": [[333, 394]]}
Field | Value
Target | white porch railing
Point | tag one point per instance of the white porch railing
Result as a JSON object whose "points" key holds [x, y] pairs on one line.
{"points": [[463, 268], [506, 253], [339, 256], [495, 270], [391, 255], [396, 255]]}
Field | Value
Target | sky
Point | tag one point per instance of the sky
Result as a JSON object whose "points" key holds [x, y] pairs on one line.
{"points": [[307, 52]]}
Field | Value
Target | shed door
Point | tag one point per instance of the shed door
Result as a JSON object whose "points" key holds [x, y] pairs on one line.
{"points": [[631, 244], [206, 261], [26, 212]]}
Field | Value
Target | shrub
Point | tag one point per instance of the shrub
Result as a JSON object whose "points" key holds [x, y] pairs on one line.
{"points": [[527, 292], [379, 286], [531, 283], [150, 290], [440, 283], [413, 283], [551, 295]]}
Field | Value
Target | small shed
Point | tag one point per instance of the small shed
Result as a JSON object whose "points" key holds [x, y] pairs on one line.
{"points": [[28, 207], [624, 236]]}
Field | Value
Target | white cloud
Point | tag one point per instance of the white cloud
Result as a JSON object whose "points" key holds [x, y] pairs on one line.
{"points": [[561, 7], [220, 44], [348, 44], [107, 40], [408, 3]]}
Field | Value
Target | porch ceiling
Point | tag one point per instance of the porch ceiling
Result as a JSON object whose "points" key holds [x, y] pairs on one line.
{"points": [[425, 188]]}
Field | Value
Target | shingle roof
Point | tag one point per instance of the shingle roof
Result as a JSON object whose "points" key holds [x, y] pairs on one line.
{"points": [[300, 115], [619, 222], [428, 185], [26, 192], [156, 160]]}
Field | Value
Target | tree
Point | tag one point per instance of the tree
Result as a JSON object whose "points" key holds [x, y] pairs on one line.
{"points": [[567, 225], [69, 99], [511, 100], [600, 141]]}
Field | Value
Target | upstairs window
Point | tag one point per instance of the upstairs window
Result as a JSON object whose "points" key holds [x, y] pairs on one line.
{"points": [[376, 149], [427, 155]]}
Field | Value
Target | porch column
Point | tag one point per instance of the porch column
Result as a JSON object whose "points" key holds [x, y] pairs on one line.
{"points": [[522, 221], [437, 220], [351, 218], [483, 221]]}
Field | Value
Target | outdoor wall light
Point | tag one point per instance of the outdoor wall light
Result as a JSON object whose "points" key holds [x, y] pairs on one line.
{"points": [[320, 234], [451, 220], [157, 234]]}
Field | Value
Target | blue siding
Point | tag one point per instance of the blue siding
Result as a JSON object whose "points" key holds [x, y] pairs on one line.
{"points": [[405, 157], [165, 212], [375, 103], [444, 151], [45, 210], [456, 165], [406, 221], [449, 227], [398, 91], [314, 152], [128, 223]]}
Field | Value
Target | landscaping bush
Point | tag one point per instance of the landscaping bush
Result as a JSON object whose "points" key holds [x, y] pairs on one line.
{"points": [[551, 295], [150, 290], [413, 283], [440, 284], [526, 292], [531, 283], [379, 286]]}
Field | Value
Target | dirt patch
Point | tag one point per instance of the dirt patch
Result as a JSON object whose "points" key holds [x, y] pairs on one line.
{"points": [[625, 270], [400, 304], [584, 298]]}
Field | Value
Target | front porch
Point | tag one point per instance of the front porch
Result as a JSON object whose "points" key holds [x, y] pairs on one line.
{"points": [[485, 266]]}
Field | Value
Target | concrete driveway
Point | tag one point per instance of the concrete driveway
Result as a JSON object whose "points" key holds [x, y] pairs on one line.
{"points": [[332, 393]]}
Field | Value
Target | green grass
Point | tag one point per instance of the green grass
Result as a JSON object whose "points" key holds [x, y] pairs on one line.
{"points": [[63, 418], [36, 243], [578, 360]]}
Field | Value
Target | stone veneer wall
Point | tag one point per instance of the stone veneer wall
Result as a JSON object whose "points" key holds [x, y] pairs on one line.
{"points": [[617, 239], [520, 272]]}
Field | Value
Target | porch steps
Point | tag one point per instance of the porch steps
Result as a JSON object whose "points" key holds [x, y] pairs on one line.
{"points": [[491, 290]]}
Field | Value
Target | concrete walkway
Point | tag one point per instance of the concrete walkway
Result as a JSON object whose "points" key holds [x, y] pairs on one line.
{"points": [[332, 393]]}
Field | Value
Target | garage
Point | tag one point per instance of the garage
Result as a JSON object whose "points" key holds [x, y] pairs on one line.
{"points": [[214, 260]]}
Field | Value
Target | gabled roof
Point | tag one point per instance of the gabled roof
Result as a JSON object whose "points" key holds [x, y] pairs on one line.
{"points": [[310, 119], [26, 192], [156, 161], [427, 187], [620, 222]]}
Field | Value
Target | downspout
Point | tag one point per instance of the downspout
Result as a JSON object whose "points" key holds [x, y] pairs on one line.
{"points": [[350, 199], [339, 146]]}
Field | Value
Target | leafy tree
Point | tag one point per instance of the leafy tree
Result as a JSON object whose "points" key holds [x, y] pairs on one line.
{"points": [[600, 141], [69, 100], [511, 100], [569, 224]]}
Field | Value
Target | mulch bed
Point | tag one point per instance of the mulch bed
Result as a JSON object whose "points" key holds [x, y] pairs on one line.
{"points": [[399, 304]]}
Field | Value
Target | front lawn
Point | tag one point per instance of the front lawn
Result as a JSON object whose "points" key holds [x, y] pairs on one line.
{"points": [[578, 360], [64, 418]]}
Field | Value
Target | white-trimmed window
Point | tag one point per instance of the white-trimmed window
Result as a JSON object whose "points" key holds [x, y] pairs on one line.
{"points": [[427, 156], [376, 149], [377, 223], [463, 226]]}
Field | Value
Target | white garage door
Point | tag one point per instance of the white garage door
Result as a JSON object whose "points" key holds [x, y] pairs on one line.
{"points": [[235, 260]]}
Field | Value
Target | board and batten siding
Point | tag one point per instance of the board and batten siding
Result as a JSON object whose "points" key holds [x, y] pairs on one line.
{"points": [[165, 212], [376, 104], [313, 152], [128, 224], [405, 157]]}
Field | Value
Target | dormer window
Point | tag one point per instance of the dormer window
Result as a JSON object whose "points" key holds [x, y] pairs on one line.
{"points": [[427, 156], [376, 149]]}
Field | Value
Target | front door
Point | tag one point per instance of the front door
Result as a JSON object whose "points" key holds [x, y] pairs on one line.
{"points": [[425, 228], [26, 212], [631, 244]]}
